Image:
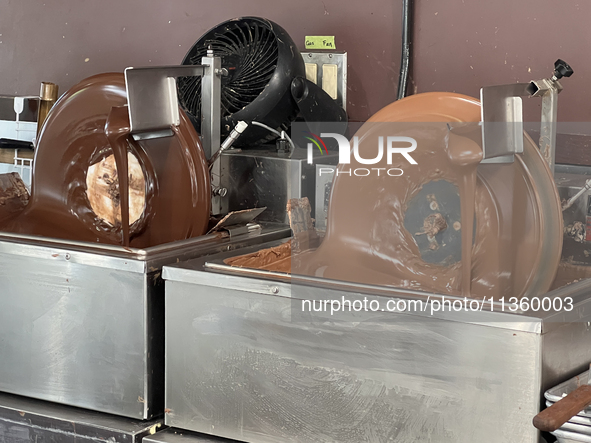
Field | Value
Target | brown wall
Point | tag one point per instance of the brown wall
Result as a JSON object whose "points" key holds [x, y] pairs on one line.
{"points": [[50, 40], [461, 45]]}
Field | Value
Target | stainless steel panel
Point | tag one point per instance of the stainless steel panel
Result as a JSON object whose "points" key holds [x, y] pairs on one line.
{"points": [[502, 116], [152, 97], [269, 179], [76, 334], [239, 365], [254, 375], [84, 328], [32, 421]]}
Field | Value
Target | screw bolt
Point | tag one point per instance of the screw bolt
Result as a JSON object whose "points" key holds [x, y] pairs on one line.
{"points": [[222, 192]]}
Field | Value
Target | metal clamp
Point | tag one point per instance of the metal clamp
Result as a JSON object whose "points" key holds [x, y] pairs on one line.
{"points": [[153, 106], [502, 122], [152, 99], [549, 89], [502, 116]]}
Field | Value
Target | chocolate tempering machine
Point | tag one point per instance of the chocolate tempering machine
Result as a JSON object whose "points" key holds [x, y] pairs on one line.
{"points": [[130, 339], [263, 369], [82, 318]]}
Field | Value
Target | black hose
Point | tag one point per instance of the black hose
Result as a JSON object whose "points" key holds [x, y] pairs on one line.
{"points": [[406, 42]]}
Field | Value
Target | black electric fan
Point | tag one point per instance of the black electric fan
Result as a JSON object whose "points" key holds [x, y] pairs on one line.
{"points": [[266, 81]]}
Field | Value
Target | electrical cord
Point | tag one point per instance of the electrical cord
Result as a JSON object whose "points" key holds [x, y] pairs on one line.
{"points": [[406, 42], [276, 132]]}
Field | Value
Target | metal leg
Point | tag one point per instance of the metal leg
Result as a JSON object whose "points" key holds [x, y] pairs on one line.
{"points": [[211, 90], [548, 128]]}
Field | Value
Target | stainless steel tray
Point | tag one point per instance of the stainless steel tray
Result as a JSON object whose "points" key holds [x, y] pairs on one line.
{"points": [[576, 428], [577, 419], [563, 389], [565, 436]]}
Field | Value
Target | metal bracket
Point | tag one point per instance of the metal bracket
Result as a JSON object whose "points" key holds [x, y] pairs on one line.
{"points": [[502, 116], [211, 96], [152, 98], [238, 218], [548, 89], [153, 106], [502, 122]]}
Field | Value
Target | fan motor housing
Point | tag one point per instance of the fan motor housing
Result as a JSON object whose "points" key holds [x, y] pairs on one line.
{"points": [[261, 60]]}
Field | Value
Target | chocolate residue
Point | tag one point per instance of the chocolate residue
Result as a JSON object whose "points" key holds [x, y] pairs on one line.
{"points": [[276, 259], [14, 196], [576, 231], [88, 124], [569, 273], [433, 225], [301, 224]]}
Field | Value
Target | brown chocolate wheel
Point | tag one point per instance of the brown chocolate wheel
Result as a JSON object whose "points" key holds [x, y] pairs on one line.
{"points": [[518, 223], [174, 204]]}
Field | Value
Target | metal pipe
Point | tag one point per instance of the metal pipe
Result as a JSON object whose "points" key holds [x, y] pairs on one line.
{"points": [[548, 127], [47, 98], [575, 197], [406, 42], [548, 89]]}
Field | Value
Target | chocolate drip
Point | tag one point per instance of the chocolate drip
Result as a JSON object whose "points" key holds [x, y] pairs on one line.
{"points": [[117, 130]]}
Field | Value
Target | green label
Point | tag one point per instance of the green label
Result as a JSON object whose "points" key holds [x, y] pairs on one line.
{"points": [[320, 42]]}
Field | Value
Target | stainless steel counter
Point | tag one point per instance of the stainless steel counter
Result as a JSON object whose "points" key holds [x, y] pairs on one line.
{"points": [[83, 324], [241, 363]]}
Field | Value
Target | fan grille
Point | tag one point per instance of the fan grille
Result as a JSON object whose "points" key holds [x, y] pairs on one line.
{"points": [[248, 51]]}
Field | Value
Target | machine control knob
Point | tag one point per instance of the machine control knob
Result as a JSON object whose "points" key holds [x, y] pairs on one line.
{"points": [[562, 69]]}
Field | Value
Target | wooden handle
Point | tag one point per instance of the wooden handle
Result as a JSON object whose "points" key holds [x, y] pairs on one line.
{"points": [[550, 419]]}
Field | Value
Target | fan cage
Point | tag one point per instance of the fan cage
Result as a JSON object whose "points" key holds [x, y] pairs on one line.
{"points": [[248, 51]]}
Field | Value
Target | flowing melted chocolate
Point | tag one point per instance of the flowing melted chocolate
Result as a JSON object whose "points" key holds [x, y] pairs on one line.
{"points": [[117, 130], [465, 155], [366, 239], [277, 259], [90, 123]]}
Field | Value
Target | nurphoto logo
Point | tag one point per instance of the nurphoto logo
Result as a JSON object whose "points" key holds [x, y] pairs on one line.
{"points": [[388, 146]]}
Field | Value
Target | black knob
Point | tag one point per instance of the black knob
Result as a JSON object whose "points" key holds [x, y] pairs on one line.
{"points": [[562, 69]]}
